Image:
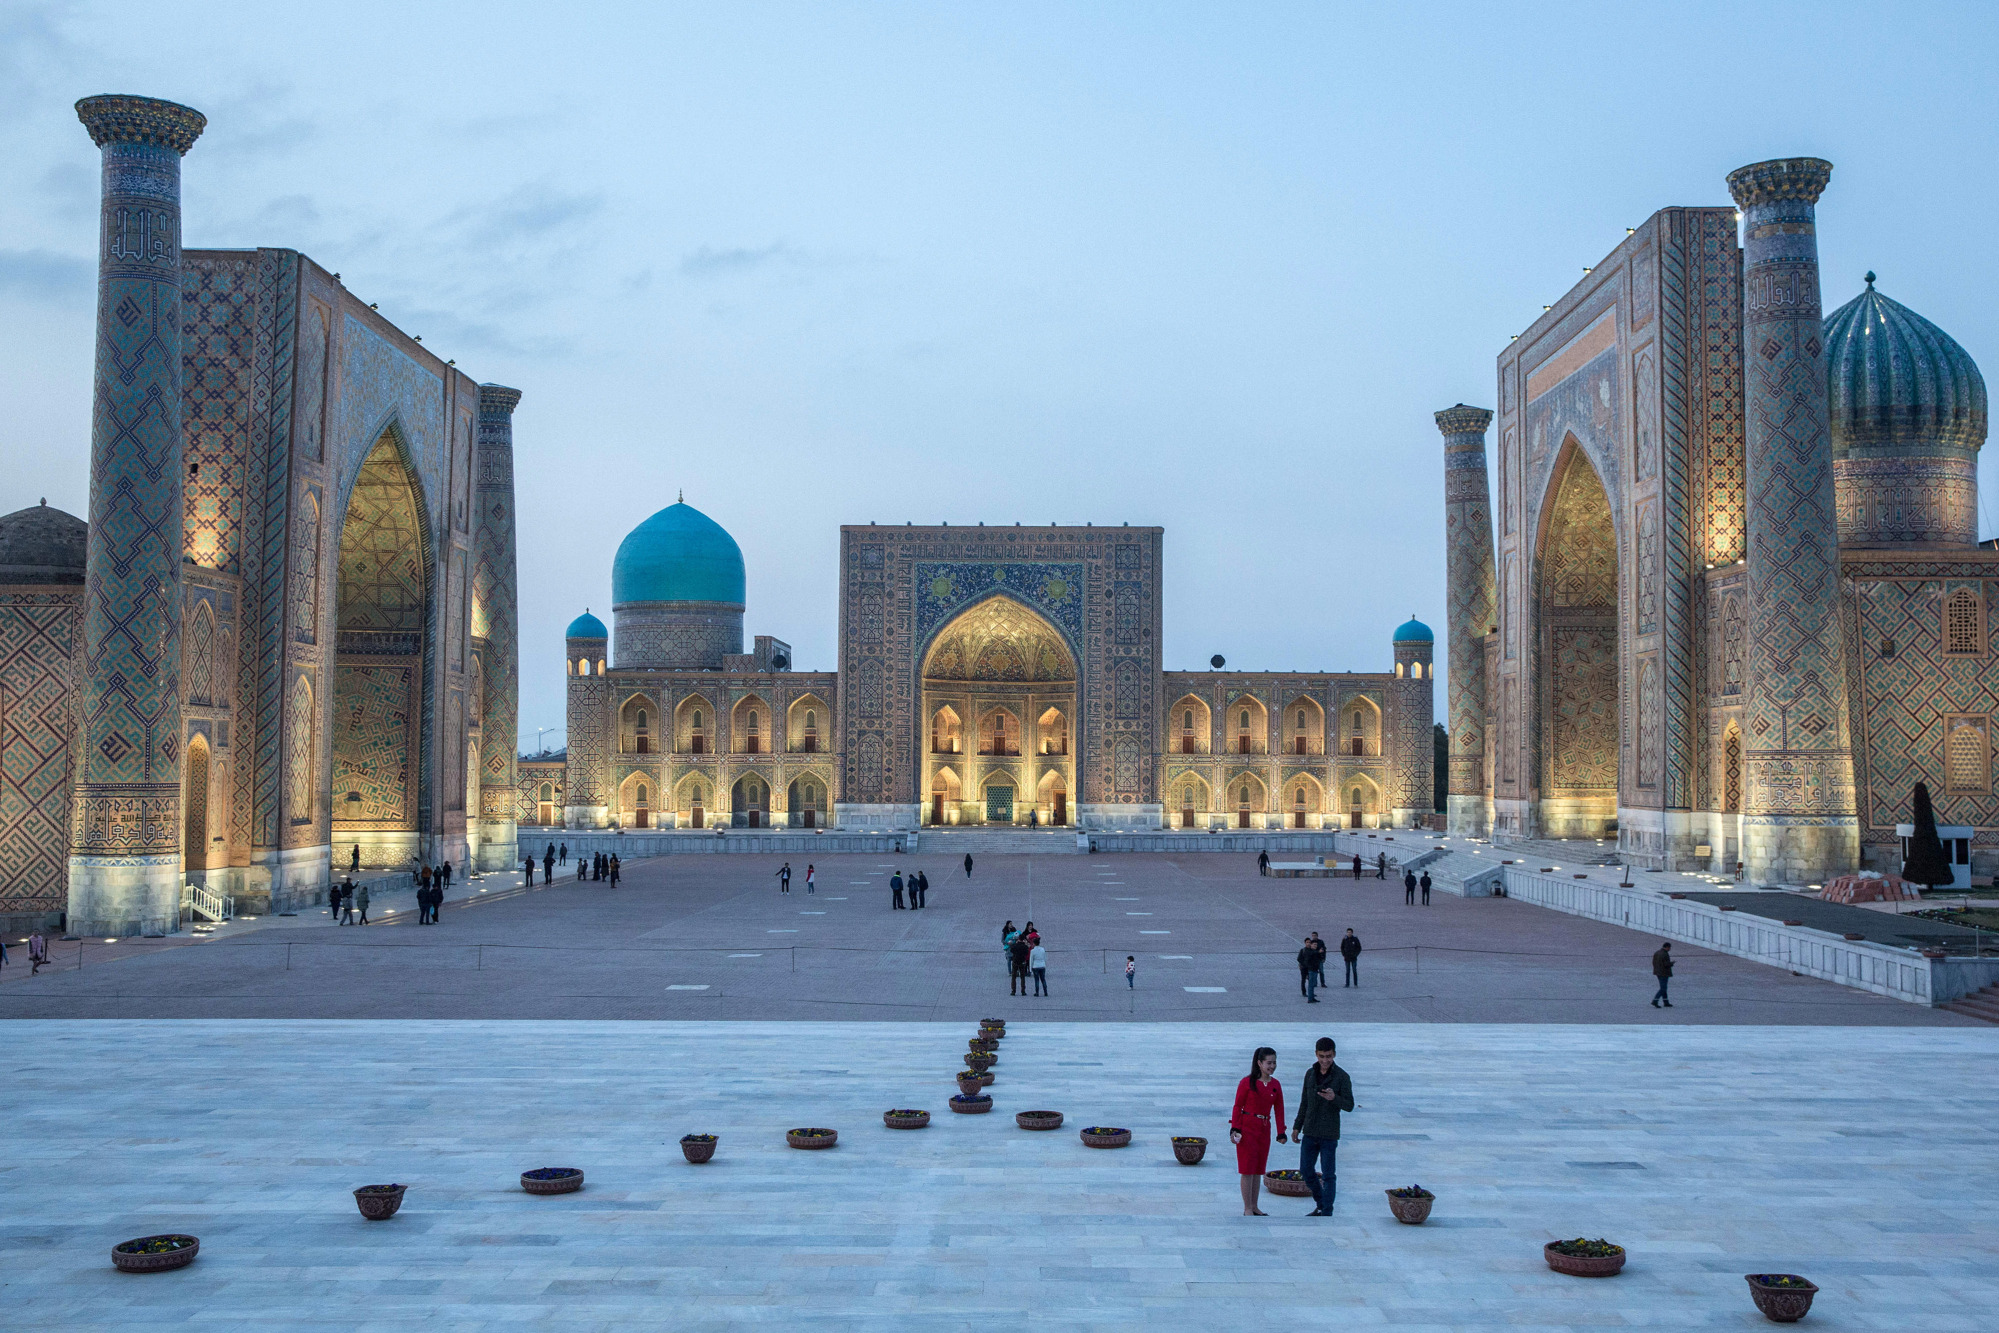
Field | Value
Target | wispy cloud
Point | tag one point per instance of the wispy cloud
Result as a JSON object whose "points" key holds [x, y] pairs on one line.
{"points": [[711, 262], [44, 274], [529, 213]]}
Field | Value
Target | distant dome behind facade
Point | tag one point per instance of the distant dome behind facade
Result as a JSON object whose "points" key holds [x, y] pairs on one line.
{"points": [[586, 626], [1908, 416], [1413, 630], [42, 545], [677, 593]]}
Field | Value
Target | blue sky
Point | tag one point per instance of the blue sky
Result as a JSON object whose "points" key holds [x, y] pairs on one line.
{"points": [[1209, 267]]}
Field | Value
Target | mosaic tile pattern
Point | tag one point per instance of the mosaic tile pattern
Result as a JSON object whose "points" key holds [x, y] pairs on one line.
{"points": [[39, 629]]}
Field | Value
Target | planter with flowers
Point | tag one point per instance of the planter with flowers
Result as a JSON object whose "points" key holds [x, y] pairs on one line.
{"points": [[378, 1203], [981, 1060], [155, 1254], [1410, 1204], [552, 1180], [1291, 1184], [1105, 1136], [906, 1119], [969, 1082], [977, 1103], [1188, 1150], [812, 1138], [1782, 1297], [697, 1148], [1584, 1258], [1038, 1119]]}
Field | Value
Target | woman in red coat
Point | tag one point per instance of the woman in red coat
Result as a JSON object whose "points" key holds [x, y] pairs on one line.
{"points": [[1259, 1104]]}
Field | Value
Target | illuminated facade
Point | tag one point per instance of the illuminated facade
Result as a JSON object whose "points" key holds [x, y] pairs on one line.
{"points": [[1005, 676]]}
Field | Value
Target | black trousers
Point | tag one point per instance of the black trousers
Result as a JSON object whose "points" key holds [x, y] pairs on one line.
{"points": [[1353, 971], [1316, 1160]]}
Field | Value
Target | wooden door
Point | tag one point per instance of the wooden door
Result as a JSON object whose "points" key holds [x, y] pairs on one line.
{"points": [[1061, 815], [936, 807], [1242, 817], [811, 817], [694, 817], [1186, 816]]}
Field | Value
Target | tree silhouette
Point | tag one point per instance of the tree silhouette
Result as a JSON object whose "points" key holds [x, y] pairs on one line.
{"points": [[1927, 864]]}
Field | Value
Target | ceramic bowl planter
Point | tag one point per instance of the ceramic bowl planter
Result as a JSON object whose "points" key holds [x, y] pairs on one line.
{"points": [[697, 1148], [1105, 1136], [1411, 1205], [995, 1033], [905, 1119], [981, 1060], [987, 1045], [1188, 1150], [378, 1203], [552, 1180], [1782, 1297], [812, 1138], [155, 1254], [1291, 1184], [969, 1083], [999, 1023], [1584, 1258], [1038, 1119], [971, 1103]]}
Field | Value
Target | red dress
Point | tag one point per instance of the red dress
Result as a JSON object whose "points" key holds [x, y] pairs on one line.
{"points": [[1257, 1107]]}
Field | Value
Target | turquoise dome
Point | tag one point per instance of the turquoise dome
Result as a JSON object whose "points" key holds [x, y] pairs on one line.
{"points": [[1895, 379], [678, 555], [586, 626], [1413, 630]]}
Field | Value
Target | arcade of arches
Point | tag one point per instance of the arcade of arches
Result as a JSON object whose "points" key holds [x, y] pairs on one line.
{"points": [[999, 690]]}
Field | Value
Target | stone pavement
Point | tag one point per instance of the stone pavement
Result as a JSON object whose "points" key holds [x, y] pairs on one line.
{"points": [[1865, 1161], [710, 937]]}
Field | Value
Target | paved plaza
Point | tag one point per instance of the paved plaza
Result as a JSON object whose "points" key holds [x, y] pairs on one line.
{"points": [[710, 937], [1863, 1160]]}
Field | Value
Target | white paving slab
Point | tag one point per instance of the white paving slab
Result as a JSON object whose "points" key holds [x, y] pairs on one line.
{"points": [[1863, 1158]]}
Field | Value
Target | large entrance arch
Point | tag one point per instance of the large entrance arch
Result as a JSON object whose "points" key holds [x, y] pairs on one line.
{"points": [[1576, 597], [1008, 672], [383, 620]]}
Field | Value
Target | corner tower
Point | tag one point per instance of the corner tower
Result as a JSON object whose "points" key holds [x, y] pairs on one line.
{"points": [[125, 853], [494, 618], [1799, 823], [1472, 606], [1412, 780], [586, 778]]}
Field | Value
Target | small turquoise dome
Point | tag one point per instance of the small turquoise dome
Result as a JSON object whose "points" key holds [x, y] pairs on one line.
{"points": [[1413, 630], [1895, 379], [586, 626], [678, 555]]}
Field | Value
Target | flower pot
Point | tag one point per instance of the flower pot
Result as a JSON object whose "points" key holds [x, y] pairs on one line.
{"points": [[1038, 1119], [1781, 1304], [1188, 1150], [697, 1148], [969, 1084], [378, 1203], [999, 1023], [1411, 1207], [1290, 1184], [552, 1180], [1105, 1136], [971, 1104], [812, 1138], [985, 1044], [1582, 1265], [991, 1033], [981, 1060], [905, 1119], [155, 1254]]}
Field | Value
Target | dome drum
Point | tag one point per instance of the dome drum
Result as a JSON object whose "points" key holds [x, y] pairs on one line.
{"points": [[676, 636]]}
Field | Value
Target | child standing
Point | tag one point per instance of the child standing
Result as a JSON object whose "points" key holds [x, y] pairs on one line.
{"points": [[1130, 972]]}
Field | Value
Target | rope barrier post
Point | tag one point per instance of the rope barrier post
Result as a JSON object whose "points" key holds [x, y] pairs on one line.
{"points": [[288, 957], [482, 960]]}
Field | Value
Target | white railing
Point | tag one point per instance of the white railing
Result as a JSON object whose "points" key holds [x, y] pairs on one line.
{"points": [[197, 898]]}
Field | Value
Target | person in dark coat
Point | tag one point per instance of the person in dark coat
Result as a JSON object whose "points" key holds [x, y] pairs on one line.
{"points": [[548, 867], [1662, 968], [1350, 950], [354, 861], [1018, 953], [562, 855], [968, 865], [1381, 865], [1424, 883], [1409, 887], [1319, 952], [1308, 963], [1263, 863], [1356, 866], [1323, 1093], [447, 876], [919, 888], [616, 867], [895, 887]]}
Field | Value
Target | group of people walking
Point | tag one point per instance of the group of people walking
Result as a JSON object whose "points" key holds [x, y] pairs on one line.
{"points": [[918, 885], [1325, 1091], [430, 887], [1026, 958], [784, 878]]}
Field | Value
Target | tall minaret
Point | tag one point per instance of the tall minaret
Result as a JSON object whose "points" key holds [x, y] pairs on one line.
{"points": [[1471, 602], [125, 855], [494, 577], [1799, 824]]}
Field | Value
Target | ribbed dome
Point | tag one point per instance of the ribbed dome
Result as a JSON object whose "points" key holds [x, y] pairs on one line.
{"points": [[678, 555], [1413, 630], [1894, 378], [42, 545], [586, 626]]}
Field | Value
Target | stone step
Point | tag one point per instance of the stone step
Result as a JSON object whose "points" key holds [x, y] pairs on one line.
{"points": [[1983, 1004]]}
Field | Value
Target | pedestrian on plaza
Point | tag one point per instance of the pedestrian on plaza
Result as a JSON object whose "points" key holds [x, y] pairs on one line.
{"points": [[361, 901], [347, 905], [617, 868], [549, 854], [1030, 934], [1323, 1093], [1409, 888], [1381, 865], [582, 869], [38, 952], [1259, 1105], [548, 867], [1307, 958], [3, 953], [1318, 960], [809, 873], [562, 854], [1263, 863], [1425, 882], [1007, 933], [1130, 972], [895, 887], [922, 888], [1018, 954], [1350, 950], [448, 872], [968, 865], [1037, 963], [422, 878], [422, 906], [1356, 867], [784, 878], [354, 861], [527, 868], [1662, 968]]}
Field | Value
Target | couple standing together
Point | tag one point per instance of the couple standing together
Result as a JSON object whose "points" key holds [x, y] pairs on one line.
{"points": [[1259, 1105]]}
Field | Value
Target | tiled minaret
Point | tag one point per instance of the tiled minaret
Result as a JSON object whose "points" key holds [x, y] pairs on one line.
{"points": [[1798, 816], [494, 577], [1471, 600], [125, 859]]}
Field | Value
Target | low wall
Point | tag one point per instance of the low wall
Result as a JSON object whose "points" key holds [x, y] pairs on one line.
{"points": [[1901, 974], [760, 842]]}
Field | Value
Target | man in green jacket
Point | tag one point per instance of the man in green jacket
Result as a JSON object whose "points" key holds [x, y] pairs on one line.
{"points": [[1323, 1093]]}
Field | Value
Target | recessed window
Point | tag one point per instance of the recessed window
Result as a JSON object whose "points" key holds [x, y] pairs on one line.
{"points": [[1964, 624]]}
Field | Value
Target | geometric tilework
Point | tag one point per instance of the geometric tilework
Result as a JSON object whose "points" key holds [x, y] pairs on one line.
{"points": [[38, 634], [374, 708]]}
